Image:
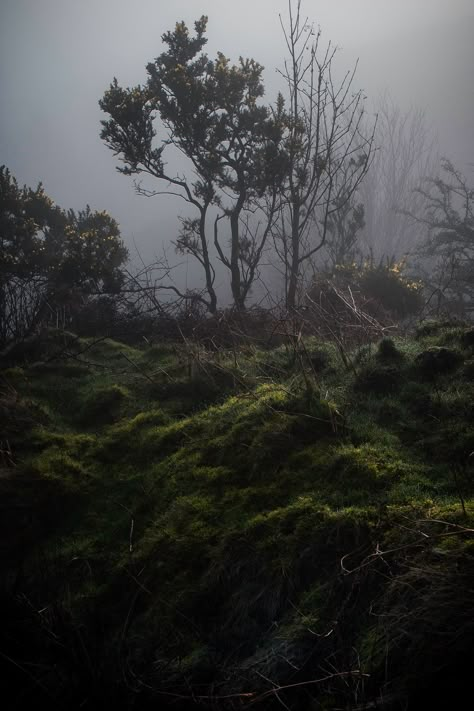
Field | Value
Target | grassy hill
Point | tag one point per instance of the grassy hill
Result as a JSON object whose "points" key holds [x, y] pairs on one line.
{"points": [[251, 527]]}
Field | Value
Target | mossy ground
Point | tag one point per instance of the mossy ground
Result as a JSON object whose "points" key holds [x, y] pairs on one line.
{"points": [[189, 523]]}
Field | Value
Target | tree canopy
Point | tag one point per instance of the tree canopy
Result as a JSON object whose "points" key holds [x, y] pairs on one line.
{"points": [[295, 163], [210, 110]]}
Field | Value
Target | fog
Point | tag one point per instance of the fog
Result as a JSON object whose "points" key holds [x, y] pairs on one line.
{"points": [[58, 57]]}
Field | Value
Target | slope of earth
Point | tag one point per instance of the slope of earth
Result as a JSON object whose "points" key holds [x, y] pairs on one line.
{"points": [[240, 528]]}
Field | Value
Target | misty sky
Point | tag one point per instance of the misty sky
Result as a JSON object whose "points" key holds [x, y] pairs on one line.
{"points": [[58, 56]]}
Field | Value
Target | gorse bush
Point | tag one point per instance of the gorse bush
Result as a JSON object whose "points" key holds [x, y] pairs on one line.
{"points": [[384, 287], [388, 286]]}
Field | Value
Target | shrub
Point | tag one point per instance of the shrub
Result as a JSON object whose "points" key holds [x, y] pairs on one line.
{"points": [[387, 286]]}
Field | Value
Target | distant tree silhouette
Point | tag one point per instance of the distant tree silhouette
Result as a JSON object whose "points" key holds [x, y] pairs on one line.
{"points": [[449, 246], [327, 151], [406, 152]]}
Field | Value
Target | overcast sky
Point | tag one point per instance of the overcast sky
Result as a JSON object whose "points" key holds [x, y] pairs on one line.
{"points": [[58, 56]]}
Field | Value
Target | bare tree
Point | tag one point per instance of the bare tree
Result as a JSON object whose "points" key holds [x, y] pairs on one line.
{"points": [[343, 229], [406, 152], [448, 247], [327, 150]]}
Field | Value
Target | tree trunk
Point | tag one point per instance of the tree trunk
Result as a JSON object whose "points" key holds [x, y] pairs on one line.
{"points": [[295, 259], [207, 264], [236, 285]]}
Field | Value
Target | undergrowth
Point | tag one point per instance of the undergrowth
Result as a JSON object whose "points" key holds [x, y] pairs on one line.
{"points": [[181, 525]]}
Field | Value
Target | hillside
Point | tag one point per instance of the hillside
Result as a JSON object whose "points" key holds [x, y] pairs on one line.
{"points": [[252, 527]]}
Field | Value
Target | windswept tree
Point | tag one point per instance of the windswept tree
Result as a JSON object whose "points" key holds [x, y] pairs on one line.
{"points": [[210, 111], [327, 150]]}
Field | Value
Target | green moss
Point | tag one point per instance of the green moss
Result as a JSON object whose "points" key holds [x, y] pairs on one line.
{"points": [[13, 375], [378, 378], [106, 350], [103, 405], [231, 524], [445, 329], [151, 418], [56, 464]]}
